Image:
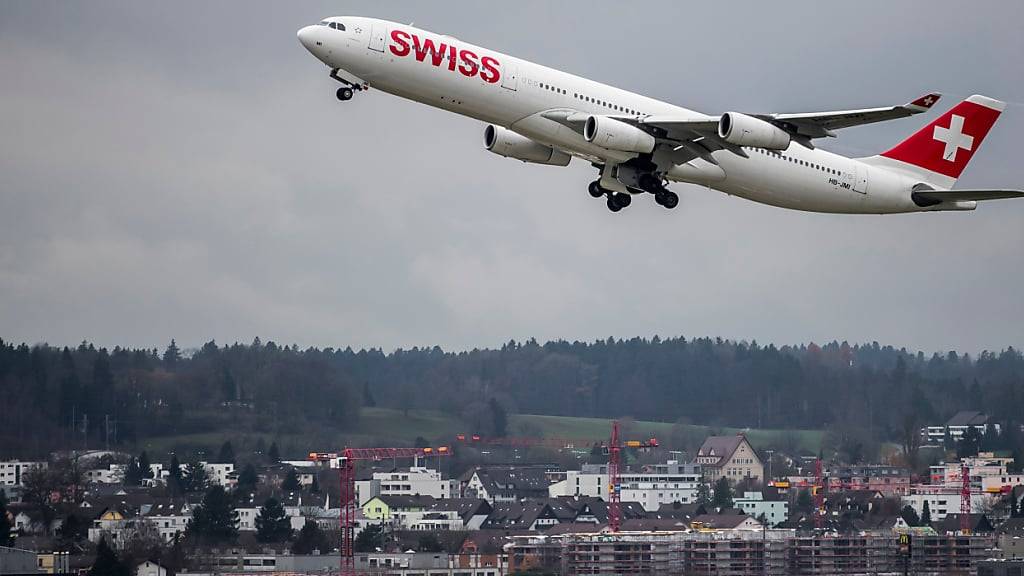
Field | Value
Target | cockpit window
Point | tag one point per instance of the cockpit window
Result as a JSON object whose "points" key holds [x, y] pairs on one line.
{"points": [[337, 26]]}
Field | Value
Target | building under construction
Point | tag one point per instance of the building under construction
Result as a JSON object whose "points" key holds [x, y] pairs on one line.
{"points": [[747, 553]]}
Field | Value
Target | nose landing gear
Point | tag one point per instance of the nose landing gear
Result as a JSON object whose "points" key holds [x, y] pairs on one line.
{"points": [[344, 93]]}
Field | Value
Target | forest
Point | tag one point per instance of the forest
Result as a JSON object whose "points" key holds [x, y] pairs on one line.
{"points": [[60, 397]]}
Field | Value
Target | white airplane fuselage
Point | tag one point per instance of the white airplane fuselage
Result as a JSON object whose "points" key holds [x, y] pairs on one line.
{"points": [[382, 55]]}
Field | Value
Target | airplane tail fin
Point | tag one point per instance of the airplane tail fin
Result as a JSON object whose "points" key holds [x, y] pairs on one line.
{"points": [[940, 151]]}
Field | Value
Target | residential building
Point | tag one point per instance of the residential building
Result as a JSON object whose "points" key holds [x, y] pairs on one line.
{"points": [[170, 518], [221, 473], [112, 474], [507, 483], [413, 481], [885, 479], [942, 500], [472, 511], [984, 465], [754, 504], [957, 426], [718, 522], [149, 568], [12, 472], [731, 457], [652, 486], [390, 508]]}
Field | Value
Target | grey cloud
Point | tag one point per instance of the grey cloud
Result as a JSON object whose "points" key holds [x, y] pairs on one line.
{"points": [[182, 170]]}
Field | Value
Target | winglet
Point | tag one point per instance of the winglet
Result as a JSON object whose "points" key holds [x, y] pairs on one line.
{"points": [[923, 103]]}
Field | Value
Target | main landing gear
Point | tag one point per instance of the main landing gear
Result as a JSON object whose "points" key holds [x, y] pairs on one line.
{"points": [[663, 196], [616, 200]]}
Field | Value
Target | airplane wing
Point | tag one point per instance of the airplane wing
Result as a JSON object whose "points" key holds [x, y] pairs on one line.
{"points": [[819, 124], [697, 137], [955, 195]]}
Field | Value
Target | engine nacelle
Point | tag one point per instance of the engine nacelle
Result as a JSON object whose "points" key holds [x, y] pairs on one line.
{"points": [[617, 135], [509, 144], [743, 130]]}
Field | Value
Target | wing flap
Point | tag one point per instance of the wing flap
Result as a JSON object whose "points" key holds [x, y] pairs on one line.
{"points": [[963, 195]]}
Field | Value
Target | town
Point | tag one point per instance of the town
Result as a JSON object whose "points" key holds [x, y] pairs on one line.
{"points": [[630, 506]]}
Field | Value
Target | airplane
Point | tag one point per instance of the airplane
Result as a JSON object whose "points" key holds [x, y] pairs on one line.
{"points": [[639, 145]]}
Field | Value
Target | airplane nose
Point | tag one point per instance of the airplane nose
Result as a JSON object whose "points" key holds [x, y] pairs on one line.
{"points": [[306, 37]]}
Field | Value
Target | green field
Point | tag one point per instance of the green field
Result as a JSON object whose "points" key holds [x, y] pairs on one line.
{"points": [[390, 427]]}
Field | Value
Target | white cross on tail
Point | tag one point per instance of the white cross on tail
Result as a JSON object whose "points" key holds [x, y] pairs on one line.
{"points": [[953, 137]]}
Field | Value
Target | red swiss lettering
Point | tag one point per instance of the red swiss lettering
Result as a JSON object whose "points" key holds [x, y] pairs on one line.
{"points": [[401, 43], [490, 71], [436, 56], [469, 66]]}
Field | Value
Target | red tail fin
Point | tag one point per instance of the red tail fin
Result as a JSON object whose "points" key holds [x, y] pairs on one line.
{"points": [[947, 144]]}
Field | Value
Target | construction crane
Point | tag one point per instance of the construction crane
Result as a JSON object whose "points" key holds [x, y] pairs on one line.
{"points": [[347, 460], [614, 446]]}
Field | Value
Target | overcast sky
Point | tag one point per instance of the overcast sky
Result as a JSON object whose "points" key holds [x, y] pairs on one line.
{"points": [[183, 170]]}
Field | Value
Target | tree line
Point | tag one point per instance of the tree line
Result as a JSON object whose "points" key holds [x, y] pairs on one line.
{"points": [[862, 394]]}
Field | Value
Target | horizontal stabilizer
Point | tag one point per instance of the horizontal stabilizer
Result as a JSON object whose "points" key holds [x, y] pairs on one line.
{"points": [[958, 195]]}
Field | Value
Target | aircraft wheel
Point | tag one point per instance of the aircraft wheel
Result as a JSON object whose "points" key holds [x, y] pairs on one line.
{"points": [[613, 205], [344, 93], [669, 199], [622, 199], [595, 189]]}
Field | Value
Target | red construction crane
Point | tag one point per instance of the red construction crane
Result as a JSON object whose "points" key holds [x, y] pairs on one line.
{"points": [[965, 499], [614, 447], [614, 489], [347, 459], [819, 496]]}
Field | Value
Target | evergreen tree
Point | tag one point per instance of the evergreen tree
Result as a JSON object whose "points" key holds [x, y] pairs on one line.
{"points": [[926, 515], [227, 453], [910, 516], [195, 478], [172, 356], [369, 539], [969, 443], [247, 479], [70, 390], [214, 521], [73, 529], [144, 465], [132, 473], [5, 525], [291, 481], [703, 494], [107, 563], [174, 477], [273, 455], [723, 494], [311, 538], [272, 524]]}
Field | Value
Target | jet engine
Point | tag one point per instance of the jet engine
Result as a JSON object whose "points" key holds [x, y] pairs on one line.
{"points": [[509, 144], [617, 135], [743, 130]]}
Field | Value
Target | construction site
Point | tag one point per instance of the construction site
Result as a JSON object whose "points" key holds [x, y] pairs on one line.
{"points": [[769, 552]]}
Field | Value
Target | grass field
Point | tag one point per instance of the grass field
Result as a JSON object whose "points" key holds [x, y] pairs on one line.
{"points": [[384, 426]]}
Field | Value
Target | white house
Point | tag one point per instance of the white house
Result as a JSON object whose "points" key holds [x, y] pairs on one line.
{"points": [[651, 487], [112, 474], [942, 501], [414, 481], [149, 568], [12, 472], [753, 504], [170, 519], [221, 474]]}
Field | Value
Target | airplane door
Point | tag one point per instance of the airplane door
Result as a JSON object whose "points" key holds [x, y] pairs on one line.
{"points": [[378, 37], [510, 78], [860, 178]]}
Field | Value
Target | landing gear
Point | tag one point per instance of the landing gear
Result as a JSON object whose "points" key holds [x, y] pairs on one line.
{"points": [[616, 200], [667, 199], [344, 93], [663, 196]]}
